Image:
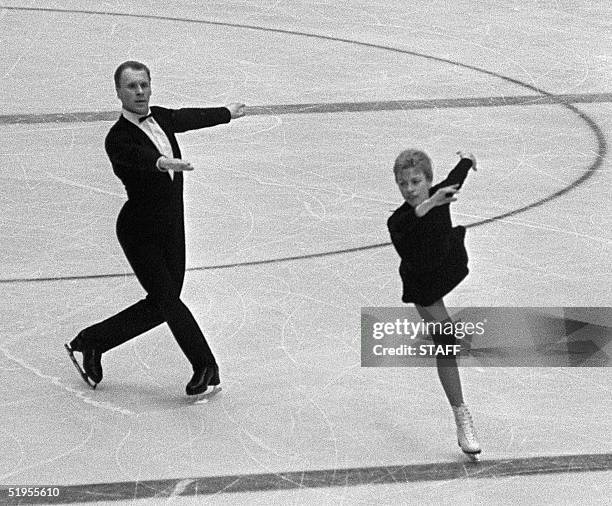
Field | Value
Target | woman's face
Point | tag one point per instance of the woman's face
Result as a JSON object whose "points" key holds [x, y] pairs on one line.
{"points": [[413, 185]]}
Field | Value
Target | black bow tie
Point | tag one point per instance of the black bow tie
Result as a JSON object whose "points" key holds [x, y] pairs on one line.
{"points": [[145, 118]]}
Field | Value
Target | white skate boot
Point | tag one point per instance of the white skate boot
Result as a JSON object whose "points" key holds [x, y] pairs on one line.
{"points": [[465, 432]]}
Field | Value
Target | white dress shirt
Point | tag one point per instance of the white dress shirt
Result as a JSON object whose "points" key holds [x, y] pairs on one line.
{"points": [[154, 132]]}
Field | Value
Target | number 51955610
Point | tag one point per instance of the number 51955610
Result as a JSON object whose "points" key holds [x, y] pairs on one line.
{"points": [[33, 491]]}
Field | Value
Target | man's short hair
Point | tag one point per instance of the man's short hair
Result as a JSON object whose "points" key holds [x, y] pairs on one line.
{"points": [[130, 64]]}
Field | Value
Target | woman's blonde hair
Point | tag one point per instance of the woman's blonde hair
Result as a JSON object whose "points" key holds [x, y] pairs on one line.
{"points": [[413, 159]]}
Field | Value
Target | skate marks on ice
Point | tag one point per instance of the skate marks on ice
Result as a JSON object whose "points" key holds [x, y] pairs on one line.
{"points": [[443, 471], [59, 382]]}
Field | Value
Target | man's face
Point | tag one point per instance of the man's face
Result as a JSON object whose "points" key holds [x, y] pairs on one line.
{"points": [[134, 91]]}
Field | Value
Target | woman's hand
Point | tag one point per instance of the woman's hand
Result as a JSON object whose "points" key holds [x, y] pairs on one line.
{"points": [[445, 195], [442, 196], [466, 154]]}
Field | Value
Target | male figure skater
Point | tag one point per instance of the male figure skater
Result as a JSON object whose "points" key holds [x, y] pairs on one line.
{"points": [[145, 155]]}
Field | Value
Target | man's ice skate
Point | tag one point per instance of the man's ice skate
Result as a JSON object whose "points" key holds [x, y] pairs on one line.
{"points": [[205, 382], [465, 432], [83, 374]]}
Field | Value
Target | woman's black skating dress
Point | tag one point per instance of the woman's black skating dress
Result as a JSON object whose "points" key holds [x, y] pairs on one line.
{"points": [[434, 259]]}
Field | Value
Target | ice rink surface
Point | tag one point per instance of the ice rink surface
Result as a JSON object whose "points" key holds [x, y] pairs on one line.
{"points": [[287, 241]]}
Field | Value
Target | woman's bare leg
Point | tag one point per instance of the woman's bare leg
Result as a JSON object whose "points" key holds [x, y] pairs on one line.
{"points": [[448, 372]]}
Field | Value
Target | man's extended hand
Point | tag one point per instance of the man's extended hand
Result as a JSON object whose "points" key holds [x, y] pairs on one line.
{"points": [[175, 164], [236, 109]]}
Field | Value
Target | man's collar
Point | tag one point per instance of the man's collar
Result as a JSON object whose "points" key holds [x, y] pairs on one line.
{"points": [[132, 117]]}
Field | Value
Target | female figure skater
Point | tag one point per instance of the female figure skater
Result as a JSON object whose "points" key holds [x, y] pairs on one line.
{"points": [[433, 262]]}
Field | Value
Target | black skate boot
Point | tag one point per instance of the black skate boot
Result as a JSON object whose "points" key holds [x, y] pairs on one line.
{"points": [[205, 381], [91, 372]]}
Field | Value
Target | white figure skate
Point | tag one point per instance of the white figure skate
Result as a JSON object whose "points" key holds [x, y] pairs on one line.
{"points": [[465, 433]]}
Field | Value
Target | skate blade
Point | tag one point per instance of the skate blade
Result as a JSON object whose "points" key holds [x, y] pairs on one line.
{"points": [[83, 374], [473, 456], [204, 397]]}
